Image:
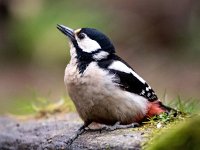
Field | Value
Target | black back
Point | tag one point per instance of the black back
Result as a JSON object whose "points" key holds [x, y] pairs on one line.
{"points": [[127, 81]]}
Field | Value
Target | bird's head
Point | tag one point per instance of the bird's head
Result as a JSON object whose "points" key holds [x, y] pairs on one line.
{"points": [[88, 42]]}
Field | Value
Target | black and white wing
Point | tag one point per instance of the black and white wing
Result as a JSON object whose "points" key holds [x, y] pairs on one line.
{"points": [[127, 78]]}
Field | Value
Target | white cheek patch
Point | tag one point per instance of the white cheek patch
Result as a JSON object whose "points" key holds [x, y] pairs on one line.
{"points": [[100, 55], [118, 65], [88, 45]]}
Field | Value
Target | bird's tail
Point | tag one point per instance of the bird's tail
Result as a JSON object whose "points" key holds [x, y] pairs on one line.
{"points": [[157, 107]]}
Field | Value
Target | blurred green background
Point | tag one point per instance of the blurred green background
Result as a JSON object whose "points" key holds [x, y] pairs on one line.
{"points": [[160, 39]]}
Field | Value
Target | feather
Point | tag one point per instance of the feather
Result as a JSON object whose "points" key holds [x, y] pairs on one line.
{"points": [[127, 79]]}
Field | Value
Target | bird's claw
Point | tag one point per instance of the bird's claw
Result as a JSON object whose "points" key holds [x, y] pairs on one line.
{"points": [[117, 125]]}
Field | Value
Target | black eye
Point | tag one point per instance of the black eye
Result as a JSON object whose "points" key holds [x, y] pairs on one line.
{"points": [[81, 36]]}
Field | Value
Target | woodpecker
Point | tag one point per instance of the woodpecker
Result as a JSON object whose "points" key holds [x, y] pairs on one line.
{"points": [[104, 88]]}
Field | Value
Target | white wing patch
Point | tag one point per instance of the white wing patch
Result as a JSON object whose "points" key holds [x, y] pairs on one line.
{"points": [[100, 55], [120, 66]]}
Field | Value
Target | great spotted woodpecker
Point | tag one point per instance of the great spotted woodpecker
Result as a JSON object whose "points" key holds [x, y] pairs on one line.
{"points": [[103, 87]]}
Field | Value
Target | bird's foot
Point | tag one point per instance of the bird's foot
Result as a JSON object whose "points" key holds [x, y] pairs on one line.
{"points": [[117, 125], [76, 135], [85, 127]]}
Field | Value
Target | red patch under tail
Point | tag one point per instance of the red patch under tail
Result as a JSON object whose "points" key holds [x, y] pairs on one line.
{"points": [[156, 108]]}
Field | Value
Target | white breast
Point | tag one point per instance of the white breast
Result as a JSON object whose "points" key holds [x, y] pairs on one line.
{"points": [[96, 96]]}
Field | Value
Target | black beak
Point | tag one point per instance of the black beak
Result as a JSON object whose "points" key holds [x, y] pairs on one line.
{"points": [[67, 31]]}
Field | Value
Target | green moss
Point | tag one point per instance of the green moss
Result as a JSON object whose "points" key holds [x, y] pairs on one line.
{"points": [[155, 127], [164, 129], [184, 135]]}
